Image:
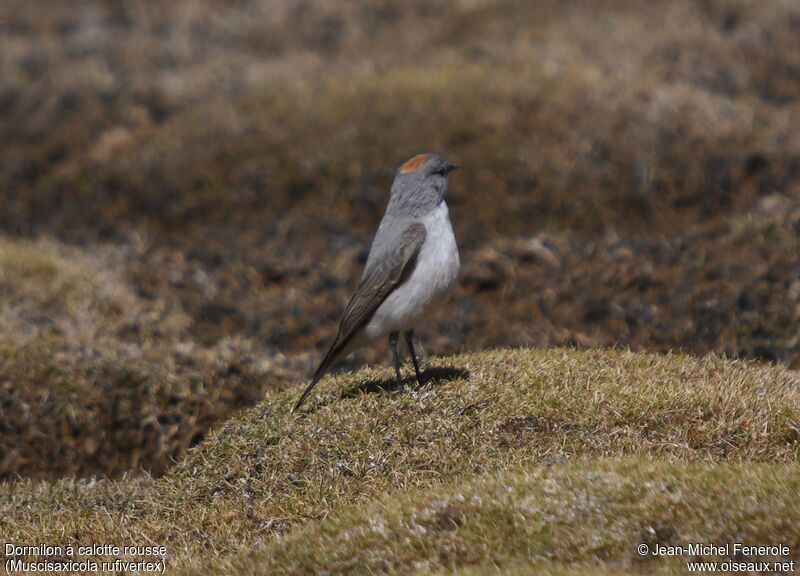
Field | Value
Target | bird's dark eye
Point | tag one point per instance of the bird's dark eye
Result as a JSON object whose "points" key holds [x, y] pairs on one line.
{"points": [[445, 169]]}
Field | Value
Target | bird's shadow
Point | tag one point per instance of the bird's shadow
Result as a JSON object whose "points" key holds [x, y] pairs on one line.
{"points": [[429, 376]]}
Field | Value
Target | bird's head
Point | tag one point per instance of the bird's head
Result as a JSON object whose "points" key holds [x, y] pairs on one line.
{"points": [[421, 182]]}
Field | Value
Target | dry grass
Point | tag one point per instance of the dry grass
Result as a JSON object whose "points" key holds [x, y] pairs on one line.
{"points": [[95, 379], [628, 177], [363, 447], [578, 518]]}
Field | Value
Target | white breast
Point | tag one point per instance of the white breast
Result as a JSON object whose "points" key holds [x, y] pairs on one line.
{"points": [[430, 282]]}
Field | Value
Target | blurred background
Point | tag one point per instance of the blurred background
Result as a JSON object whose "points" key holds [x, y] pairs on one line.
{"points": [[188, 190]]}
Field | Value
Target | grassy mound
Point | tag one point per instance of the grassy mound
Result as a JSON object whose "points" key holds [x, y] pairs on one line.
{"points": [[480, 423], [96, 378]]}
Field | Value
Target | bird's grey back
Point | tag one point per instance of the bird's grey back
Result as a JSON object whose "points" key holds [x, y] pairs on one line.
{"points": [[387, 242], [415, 193], [415, 197]]}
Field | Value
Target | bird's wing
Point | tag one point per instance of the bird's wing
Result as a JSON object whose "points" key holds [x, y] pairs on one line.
{"points": [[377, 283]]}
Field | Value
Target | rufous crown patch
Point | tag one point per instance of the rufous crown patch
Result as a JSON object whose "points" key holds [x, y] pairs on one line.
{"points": [[414, 164]]}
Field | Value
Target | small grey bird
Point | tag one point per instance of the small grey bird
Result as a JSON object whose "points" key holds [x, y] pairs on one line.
{"points": [[411, 267]]}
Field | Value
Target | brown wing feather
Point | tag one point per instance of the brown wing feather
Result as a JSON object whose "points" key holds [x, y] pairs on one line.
{"points": [[373, 289]]}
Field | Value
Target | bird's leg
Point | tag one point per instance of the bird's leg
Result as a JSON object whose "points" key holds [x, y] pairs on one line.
{"points": [[393, 343], [410, 343]]}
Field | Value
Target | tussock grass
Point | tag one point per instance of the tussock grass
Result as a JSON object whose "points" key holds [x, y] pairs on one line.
{"points": [[46, 280], [94, 377], [268, 472]]}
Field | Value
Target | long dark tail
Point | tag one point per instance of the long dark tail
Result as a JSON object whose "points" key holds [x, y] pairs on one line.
{"points": [[326, 363]]}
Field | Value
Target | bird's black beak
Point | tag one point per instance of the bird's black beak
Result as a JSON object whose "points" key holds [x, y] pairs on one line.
{"points": [[449, 168]]}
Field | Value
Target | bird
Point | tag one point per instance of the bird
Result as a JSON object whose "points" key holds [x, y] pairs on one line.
{"points": [[411, 268]]}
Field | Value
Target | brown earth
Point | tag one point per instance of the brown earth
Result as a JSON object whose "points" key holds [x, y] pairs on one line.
{"points": [[196, 184]]}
